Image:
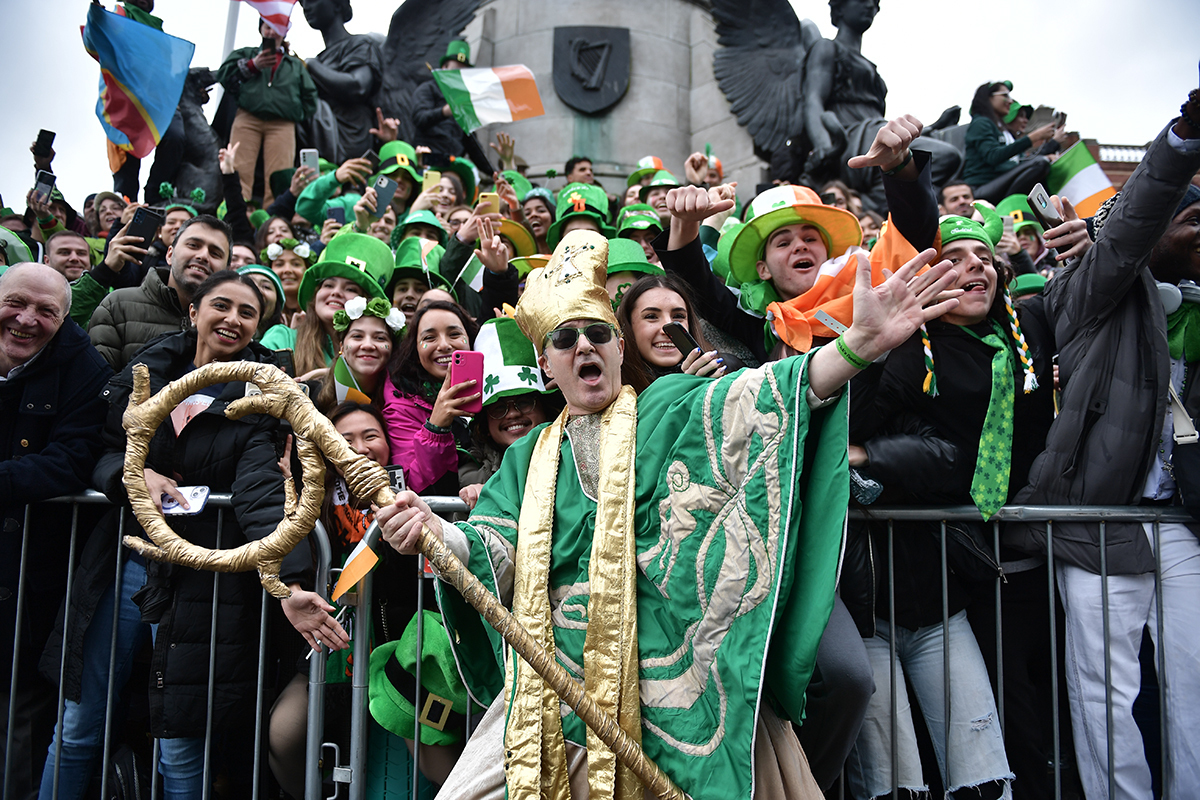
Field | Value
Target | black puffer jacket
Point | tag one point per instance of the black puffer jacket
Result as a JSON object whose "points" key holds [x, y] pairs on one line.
{"points": [[237, 456]]}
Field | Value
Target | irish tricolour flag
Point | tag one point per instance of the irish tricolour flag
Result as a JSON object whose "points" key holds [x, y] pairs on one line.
{"points": [[479, 97], [1077, 177]]}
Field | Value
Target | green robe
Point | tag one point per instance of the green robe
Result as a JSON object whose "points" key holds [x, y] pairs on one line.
{"points": [[741, 495]]}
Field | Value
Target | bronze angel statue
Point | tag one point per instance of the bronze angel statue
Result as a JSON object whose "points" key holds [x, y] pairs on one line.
{"points": [[809, 102]]}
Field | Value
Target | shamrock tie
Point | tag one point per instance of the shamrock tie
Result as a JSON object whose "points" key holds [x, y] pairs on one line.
{"points": [[989, 487]]}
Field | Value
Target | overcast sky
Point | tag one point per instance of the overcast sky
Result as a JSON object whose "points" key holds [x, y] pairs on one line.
{"points": [[1119, 68]]}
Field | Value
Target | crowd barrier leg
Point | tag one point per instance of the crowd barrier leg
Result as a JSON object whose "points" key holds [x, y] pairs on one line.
{"points": [[10, 735], [947, 714], [1108, 708], [1160, 660], [316, 680], [358, 690], [999, 631], [892, 687], [260, 696], [1056, 723], [106, 757], [62, 664]]}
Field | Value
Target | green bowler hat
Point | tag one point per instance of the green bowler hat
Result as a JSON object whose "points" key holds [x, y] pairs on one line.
{"points": [[354, 256], [626, 255]]}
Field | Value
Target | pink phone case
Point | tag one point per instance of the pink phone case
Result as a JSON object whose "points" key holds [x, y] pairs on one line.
{"points": [[467, 365]]}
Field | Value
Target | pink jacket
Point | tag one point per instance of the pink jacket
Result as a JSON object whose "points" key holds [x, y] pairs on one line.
{"points": [[425, 456]]}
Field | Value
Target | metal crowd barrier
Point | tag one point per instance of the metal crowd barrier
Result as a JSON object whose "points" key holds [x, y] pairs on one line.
{"points": [[352, 772]]}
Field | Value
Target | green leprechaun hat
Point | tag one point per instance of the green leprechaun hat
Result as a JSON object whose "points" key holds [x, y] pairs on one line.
{"points": [[458, 50], [419, 258], [646, 165], [626, 255], [1017, 206], [510, 365], [392, 685], [637, 217], [396, 157], [355, 256], [661, 178], [580, 200]]}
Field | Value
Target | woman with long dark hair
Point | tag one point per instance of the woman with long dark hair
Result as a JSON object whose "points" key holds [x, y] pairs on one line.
{"points": [[992, 166], [424, 412]]}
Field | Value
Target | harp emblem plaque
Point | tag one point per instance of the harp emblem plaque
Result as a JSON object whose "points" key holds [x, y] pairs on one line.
{"points": [[591, 66]]}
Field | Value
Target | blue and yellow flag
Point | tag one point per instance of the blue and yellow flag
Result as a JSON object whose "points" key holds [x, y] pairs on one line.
{"points": [[141, 78]]}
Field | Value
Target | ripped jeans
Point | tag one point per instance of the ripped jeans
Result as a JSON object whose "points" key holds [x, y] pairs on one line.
{"points": [[976, 748]]}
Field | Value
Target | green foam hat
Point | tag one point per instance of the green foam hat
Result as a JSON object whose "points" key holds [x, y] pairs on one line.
{"points": [[782, 206], [419, 258], [354, 256], [398, 156], [660, 179], [646, 165], [458, 50], [637, 217], [1017, 206], [519, 182], [425, 217], [510, 365], [580, 200], [392, 685], [626, 255], [953, 228]]}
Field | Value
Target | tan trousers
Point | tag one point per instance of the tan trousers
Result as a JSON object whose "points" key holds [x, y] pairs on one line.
{"points": [[780, 769], [277, 141]]}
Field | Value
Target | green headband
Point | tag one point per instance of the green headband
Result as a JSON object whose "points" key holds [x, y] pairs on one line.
{"points": [[275, 250], [357, 307]]}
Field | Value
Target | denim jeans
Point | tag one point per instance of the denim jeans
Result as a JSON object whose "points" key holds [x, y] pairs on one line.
{"points": [[1132, 607], [83, 722], [976, 748]]}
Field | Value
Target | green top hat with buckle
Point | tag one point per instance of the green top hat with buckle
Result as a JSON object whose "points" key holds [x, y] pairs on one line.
{"points": [[1017, 206], [637, 217], [580, 200], [458, 50], [661, 179], [419, 258], [398, 156], [393, 685], [626, 255], [510, 365], [357, 257]]}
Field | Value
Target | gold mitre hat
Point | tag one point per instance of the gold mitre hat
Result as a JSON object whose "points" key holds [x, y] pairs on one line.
{"points": [[570, 287]]}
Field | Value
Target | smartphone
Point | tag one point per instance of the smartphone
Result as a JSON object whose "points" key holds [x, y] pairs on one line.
{"points": [[373, 157], [145, 223], [336, 213], [396, 478], [310, 158], [1008, 223], [268, 44], [489, 203], [431, 179], [681, 338], [467, 365], [385, 190], [286, 361], [45, 140], [44, 185], [197, 497], [829, 198], [1045, 212], [1060, 119]]}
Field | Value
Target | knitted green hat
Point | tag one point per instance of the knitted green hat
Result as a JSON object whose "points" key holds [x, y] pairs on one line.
{"points": [[1017, 206], [626, 255], [661, 179], [989, 232], [637, 217], [509, 361], [392, 685], [398, 156], [419, 258], [258, 269], [425, 217], [646, 165], [458, 50], [580, 200], [519, 182], [355, 256]]}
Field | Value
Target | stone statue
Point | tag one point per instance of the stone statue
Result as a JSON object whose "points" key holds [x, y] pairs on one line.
{"points": [[809, 102], [348, 73]]}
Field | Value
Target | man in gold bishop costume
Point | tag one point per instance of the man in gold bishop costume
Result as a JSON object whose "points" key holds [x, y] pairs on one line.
{"points": [[678, 550]]}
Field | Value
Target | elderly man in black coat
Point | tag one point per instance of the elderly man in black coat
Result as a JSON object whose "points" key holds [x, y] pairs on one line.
{"points": [[51, 414]]}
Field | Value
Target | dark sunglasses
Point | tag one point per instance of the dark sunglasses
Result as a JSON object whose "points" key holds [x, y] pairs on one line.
{"points": [[566, 338], [522, 403]]}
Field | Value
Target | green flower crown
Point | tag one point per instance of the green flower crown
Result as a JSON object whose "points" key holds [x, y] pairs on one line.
{"points": [[356, 307], [275, 250]]}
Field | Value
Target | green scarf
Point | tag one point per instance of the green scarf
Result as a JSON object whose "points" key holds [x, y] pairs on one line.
{"points": [[1183, 331], [989, 486]]}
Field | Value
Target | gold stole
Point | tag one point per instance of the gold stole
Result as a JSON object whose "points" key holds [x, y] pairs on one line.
{"points": [[536, 763]]}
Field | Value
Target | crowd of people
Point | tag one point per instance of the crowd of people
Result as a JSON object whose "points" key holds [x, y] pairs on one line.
{"points": [[660, 365]]}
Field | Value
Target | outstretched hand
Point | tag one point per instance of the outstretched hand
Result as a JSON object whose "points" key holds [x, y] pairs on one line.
{"points": [[890, 147]]}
